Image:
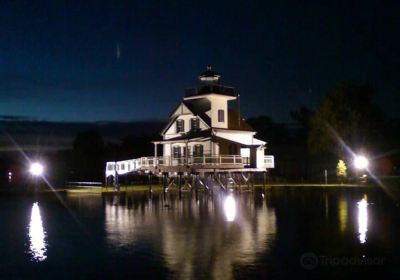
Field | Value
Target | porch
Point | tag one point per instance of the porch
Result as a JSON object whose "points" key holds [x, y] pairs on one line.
{"points": [[176, 164]]}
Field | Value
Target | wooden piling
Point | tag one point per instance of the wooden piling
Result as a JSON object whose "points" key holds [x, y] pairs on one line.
{"points": [[150, 186]]}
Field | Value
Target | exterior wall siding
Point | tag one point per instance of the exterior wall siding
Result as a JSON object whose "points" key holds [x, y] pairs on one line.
{"points": [[171, 132]]}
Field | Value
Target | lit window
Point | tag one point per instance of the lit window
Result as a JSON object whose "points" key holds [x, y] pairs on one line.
{"points": [[195, 124], [221, 116], [180, 126]]}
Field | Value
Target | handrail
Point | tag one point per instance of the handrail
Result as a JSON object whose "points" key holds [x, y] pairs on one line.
{"points": [[126, 166]]}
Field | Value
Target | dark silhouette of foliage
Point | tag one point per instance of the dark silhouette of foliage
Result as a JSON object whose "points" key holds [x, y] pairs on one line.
{"points": [[268, 130], [88, 151], [346, 113], [303, 117]]}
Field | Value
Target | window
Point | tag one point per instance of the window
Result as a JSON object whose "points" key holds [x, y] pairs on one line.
{"points": [[195, 124], [176, 151], [180, 126], [221, 116], [198, 150]]}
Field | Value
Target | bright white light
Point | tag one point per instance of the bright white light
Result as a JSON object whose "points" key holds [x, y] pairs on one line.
{"points": [[230, 208], [360, 162], [362, 220], [37, 235], [36, 169]]}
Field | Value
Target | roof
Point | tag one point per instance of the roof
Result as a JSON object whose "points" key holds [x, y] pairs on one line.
{"points": [[233, 122], [199, 107], [191, 135], [171, 121], [209, 75], [243, 141], [209, 89]]}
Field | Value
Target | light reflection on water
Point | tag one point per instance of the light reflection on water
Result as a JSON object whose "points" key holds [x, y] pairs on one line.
{"points": [[37, 235], [142, 236], [192, 231], [230, 208], [362, 220]]}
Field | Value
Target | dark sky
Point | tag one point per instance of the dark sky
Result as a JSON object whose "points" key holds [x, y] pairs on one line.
{"points": [[59, 59]]}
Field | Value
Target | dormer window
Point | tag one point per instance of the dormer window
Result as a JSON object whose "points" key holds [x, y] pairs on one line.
{"points": [[221, 116], [195, 124], [180, 126]]}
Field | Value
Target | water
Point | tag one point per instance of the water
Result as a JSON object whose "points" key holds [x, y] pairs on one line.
{"points": [[287, 233]]}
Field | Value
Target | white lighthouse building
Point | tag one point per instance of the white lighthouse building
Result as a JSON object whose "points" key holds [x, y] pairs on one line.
{"points": [[204, 133]]}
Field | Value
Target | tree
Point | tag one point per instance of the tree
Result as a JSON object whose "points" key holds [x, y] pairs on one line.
{"points": [[302, 117], [346, 114], [268, 130], [341, 170], [88, 156]]}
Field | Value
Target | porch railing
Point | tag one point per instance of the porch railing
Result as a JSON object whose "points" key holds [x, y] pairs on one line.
{"points": [[202, 160], [126, 166], [269, 162]]}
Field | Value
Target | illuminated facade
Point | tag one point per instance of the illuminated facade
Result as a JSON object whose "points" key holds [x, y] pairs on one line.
{"points": [[204, 133]]}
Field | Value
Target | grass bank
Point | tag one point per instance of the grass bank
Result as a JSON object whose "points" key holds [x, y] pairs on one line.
{"points": [[137, 188], [159, 188]]}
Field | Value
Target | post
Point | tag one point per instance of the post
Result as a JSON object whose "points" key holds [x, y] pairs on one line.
{"points": [[164, 179], [165, 186], [170, 154], [264, 175], [326, 176], [180, 181], [229, 178], [186, 154], [248, 181], [239, 180], [150, 187], [116, 182], [196, 193]]}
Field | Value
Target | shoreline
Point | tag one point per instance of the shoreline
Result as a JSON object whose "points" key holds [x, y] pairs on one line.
{"points": [[159, 188]]}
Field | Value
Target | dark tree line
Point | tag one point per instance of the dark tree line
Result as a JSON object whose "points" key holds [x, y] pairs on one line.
{"points": [[86, 160], [347, 121]]}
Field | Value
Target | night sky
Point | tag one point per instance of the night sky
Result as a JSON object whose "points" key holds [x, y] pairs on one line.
{"points": [[128, 60]]}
